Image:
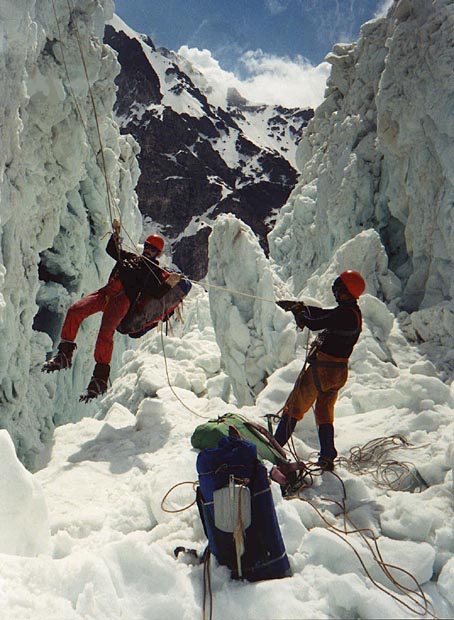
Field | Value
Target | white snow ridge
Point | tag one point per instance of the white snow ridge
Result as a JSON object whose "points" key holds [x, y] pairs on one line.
{"points": [[84, 531]]}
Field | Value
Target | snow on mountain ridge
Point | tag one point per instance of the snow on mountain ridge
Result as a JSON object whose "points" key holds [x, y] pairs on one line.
{"points": [[189, 139]]}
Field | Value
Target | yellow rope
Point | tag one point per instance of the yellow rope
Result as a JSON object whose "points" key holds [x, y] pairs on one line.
{"points": [[102, 167], [172, 389], [179, 484], [111, 206], [421, 606]]}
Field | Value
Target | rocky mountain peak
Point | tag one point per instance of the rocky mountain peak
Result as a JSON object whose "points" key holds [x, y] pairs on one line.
{"points": [[198, 159]]}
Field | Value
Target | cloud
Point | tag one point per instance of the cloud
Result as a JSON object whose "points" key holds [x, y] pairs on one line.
{"points": [[280, 80], [383, 8], [276, 6]]}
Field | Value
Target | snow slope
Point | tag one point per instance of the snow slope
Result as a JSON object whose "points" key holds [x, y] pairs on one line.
{"points": [[105, 546]]}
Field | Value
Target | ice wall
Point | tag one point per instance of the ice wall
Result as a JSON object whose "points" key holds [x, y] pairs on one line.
{"points": [[24, 524], [254, 335], [53, 207], [378, 154]]}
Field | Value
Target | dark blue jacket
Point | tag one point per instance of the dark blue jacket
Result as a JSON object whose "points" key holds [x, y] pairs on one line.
{"points": [[341, 326], [137, 273]]}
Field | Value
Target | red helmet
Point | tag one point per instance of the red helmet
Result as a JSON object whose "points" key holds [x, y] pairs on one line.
{"points": [[156, 241], [353, 282]]}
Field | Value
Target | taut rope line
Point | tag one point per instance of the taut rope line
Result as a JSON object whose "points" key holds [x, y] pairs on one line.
{"points": [[103, 167], [111, 206], [95, 112]]}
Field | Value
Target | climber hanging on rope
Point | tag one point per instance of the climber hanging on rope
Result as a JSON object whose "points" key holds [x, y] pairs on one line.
{"points": [[327, 363], [131, 275]]}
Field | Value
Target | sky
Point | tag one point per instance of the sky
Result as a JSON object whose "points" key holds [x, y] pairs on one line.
{"points": [[259, 42]]}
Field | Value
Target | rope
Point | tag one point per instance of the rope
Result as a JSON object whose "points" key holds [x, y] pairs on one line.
{"points": [[69, 86], [421, 606], [95, 112], [207, 589], [234, 292], [417, 601], [291, 444], [207, 585], [110, 202], [373, 459], [111, 206], [199, 415], [103, 166], [179, 484]]}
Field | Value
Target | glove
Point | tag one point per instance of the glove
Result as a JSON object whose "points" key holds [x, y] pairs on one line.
{"points": [[291, 306], [285, 304], [173, 279], [116, 226]]}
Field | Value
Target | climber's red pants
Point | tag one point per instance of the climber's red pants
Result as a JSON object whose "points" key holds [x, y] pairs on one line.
{"points": [[112, 301]]}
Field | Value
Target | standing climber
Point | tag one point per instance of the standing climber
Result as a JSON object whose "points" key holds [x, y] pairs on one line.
{"points": [[327, 363], [131, 275]]}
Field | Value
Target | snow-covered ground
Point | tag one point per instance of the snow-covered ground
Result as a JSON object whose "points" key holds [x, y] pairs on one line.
{"points": [[86, 537]]}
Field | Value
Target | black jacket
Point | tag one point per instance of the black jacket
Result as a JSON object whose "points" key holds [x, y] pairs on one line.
{"points": [[137, 273], [341, 326]]}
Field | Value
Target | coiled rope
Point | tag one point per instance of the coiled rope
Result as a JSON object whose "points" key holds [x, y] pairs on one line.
{"points": [[388, 473], [421, 605], [412, 598]]}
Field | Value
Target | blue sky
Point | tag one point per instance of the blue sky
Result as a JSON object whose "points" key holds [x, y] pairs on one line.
{"points": [[284, 32], [229, 27]]}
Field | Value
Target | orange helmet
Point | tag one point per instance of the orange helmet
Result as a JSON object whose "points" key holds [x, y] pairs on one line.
{"points": [[156, 241], [353, 282]]}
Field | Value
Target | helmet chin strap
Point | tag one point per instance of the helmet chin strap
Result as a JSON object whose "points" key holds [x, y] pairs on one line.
{"points": [[340, 291], [155, 252]]}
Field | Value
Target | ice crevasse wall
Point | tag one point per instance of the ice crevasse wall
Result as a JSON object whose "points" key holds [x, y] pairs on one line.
{"points": [[53, 207], [378, 156], [376, 193]]}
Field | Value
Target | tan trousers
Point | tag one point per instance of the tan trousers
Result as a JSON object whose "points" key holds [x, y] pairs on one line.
{"points": [[320, 382]]}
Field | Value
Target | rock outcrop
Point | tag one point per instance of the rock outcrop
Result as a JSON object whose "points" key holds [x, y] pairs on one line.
{"points": [[197, 159]]}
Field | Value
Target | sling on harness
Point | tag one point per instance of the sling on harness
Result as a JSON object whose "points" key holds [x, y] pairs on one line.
{"points": [[315, 364]]}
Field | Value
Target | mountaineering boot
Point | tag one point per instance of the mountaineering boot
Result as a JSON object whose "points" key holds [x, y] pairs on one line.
{"points": [[98, 383], [284, 429], [328, 452], [62, 359]]}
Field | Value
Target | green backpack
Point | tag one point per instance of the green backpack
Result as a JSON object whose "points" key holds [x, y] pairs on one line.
{"points": [[208, 435]]}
